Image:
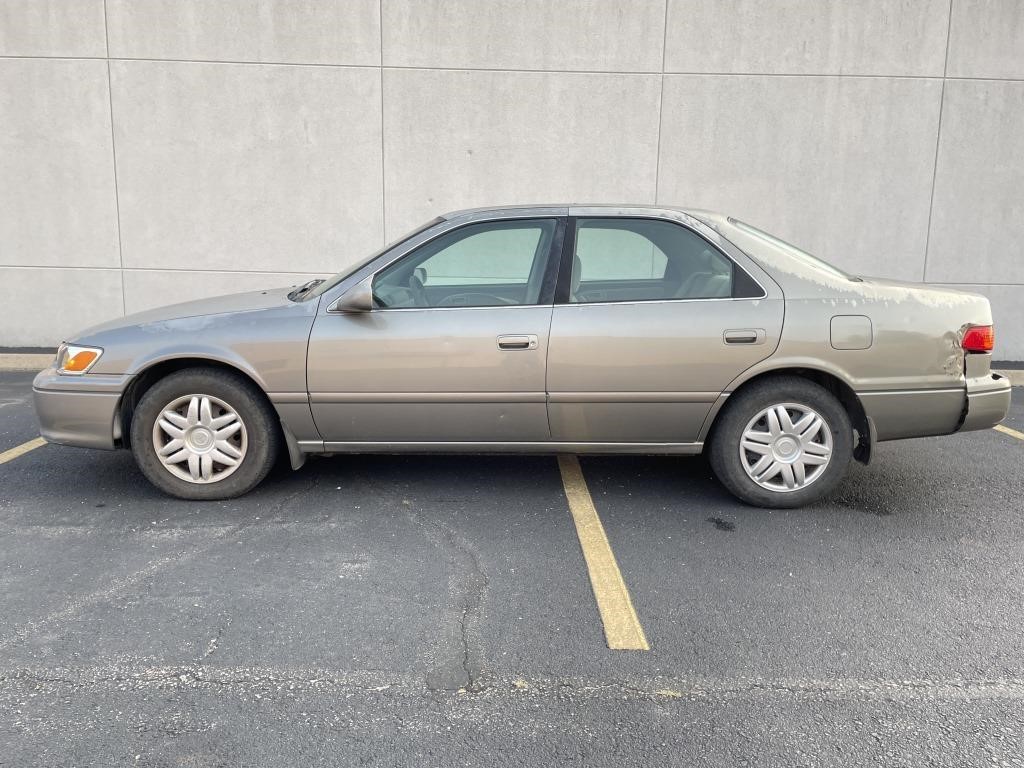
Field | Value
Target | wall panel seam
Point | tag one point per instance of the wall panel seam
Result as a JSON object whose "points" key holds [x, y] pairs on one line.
{"points": [[513, 70], [661, 104], [938, 138], [383, 166], [113, 160], [326, 271], [329, 270]]}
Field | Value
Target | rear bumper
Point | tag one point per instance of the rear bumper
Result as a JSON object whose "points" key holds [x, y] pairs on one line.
{"points": [[896, 415], [988, 402], [78, 410], [982, 404]]}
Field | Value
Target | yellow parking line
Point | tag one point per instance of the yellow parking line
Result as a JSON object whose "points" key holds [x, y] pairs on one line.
{"points": [[20, 450], [622, 628], [1008, 431]]}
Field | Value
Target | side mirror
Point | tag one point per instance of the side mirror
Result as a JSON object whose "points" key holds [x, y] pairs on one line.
{"points": [[358, 298]]}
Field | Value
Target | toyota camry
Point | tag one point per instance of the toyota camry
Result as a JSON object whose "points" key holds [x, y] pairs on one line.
{"points": [[598, 329]]}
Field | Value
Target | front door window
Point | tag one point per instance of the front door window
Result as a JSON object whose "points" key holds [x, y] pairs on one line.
{"points": [[490, 264]]}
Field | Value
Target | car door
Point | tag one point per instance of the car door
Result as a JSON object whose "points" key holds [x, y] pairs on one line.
{"points": [[454, 350], [652, 320]]}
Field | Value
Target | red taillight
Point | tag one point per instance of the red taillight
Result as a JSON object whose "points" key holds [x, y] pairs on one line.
{"points": [[979, 338]]}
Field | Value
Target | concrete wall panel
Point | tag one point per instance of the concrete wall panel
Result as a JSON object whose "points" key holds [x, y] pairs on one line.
{"points": [[841, 167], [595, 35], [871, 37], [249, 141], [266, 167], [149, 288], [986, 39], [309, 32], [57, 202], [52, 28], [977, 229], [46, 306], [456, 139]]}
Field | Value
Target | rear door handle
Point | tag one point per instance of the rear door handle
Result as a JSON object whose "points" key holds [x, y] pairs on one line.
{"points": [[744, 336], [513, 342]]}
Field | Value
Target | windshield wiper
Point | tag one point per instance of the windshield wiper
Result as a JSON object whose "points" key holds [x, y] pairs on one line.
{"points": [[303, 289]]}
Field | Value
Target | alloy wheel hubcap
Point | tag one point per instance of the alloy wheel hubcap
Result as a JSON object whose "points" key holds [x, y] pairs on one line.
{"points": [[786, 447], [200, 439]]}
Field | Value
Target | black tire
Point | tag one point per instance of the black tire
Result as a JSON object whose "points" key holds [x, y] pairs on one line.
{"points": [[728, 430], [251, 407]]}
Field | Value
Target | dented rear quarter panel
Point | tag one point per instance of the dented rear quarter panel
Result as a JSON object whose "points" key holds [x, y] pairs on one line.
{"points": [[911, 379], [915, 343]]}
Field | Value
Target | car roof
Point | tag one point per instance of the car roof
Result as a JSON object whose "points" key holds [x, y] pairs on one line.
{"points": [[622, 209]]}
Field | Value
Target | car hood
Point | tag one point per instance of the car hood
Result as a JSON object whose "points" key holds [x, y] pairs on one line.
{"points": [[216, 305]]}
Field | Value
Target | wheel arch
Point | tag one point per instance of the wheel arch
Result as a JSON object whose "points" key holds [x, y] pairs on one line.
{"points": [[828, 380], [148, 376]]}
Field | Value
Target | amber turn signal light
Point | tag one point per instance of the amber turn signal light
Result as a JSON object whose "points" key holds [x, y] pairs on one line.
{"points": [[80, 362], [76, 360]]}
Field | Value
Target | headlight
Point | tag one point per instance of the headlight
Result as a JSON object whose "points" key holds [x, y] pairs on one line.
{"points": [[74, 360]]}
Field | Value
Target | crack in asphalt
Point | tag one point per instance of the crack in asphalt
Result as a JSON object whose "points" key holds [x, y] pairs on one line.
{"points": [[467, 587], [110, 591], [211, 647], [471, 608], [312, 484], [116, 587]]}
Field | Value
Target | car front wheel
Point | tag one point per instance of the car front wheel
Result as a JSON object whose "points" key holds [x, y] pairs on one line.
{"points": [[783, 442], [204, 434]]}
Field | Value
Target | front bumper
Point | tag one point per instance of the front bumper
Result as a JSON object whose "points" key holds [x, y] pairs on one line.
{"points": [[988, 402], [78, 410]]}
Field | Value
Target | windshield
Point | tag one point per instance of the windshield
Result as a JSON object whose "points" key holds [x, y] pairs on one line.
{"points": [[791, 250], [332, 281]]}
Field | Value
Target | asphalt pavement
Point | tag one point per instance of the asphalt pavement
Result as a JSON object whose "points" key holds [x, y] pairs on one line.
{"points": [[437, 611]]}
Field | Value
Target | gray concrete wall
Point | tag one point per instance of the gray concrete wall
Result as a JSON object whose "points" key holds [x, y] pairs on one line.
{"points": [[159, 150]]}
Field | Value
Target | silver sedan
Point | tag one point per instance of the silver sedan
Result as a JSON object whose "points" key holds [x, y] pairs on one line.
{"points": [[540, 329]]}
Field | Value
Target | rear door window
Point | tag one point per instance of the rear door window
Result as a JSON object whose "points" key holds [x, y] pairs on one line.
{"points": [[645, 260]]}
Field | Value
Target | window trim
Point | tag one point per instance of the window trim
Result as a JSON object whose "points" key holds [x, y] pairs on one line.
{"points": [[548, 282], [562, 297]]}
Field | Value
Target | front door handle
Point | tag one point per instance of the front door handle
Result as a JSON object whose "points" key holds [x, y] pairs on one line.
{"points": [[744, 336], [520, 341]]}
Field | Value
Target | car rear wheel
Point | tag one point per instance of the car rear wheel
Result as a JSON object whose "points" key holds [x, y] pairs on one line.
{"points": [[783, 442], [204, 434]]}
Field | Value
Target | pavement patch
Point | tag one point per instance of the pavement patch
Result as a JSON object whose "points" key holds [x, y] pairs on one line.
{"points": [[120, 675]]}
